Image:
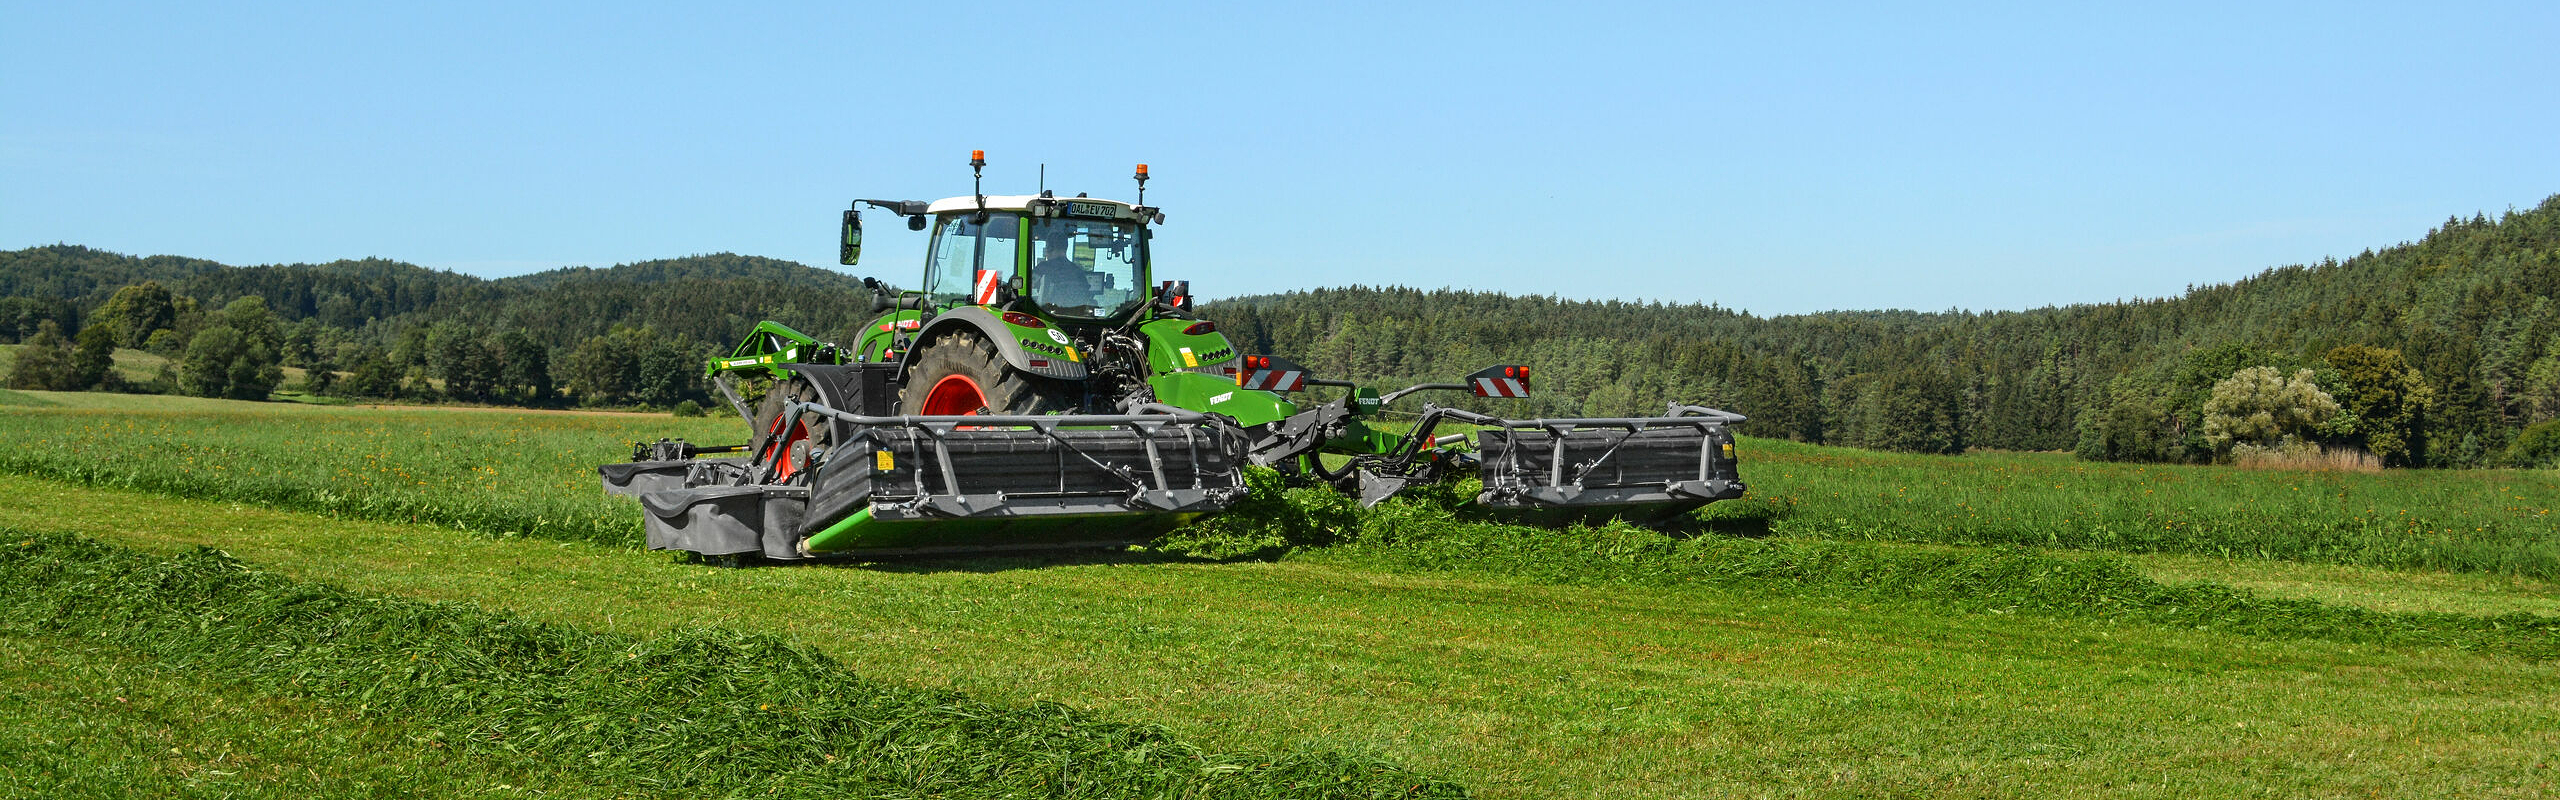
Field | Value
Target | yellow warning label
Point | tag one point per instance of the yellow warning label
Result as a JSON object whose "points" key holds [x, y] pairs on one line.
{"points": [[1188, 359], [886, 462], [1071, 356]]}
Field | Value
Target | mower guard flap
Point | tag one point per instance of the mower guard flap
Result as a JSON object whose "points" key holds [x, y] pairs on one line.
{"points": [[725, 520]]}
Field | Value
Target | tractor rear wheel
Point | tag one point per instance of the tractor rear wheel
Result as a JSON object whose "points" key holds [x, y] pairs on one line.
{"points": [[784, 444], [961, 373]]}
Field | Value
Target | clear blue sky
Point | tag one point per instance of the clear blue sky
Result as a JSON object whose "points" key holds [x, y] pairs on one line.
{"points": [[1773, 157]]}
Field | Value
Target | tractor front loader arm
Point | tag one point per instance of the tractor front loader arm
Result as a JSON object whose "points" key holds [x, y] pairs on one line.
{"points": [[767, 349]]}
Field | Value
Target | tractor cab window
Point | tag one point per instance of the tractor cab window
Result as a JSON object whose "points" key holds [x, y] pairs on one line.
{"points": [[1086, 268], [961, 248]]}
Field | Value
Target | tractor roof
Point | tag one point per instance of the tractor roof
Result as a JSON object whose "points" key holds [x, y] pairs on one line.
{"points": [[1019, 202]]}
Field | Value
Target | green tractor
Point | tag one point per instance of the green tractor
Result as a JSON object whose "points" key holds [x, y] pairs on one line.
{"points": [[1040, 389]]}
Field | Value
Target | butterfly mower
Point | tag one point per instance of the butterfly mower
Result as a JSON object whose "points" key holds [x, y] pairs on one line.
{"points": [[1039, 391]]}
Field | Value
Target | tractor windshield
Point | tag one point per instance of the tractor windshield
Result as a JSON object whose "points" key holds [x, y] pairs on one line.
{"points": [[1086, 268], [961, 248]]}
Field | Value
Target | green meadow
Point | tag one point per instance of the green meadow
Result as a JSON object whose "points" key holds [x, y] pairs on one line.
{"points": [[1867, 624]]}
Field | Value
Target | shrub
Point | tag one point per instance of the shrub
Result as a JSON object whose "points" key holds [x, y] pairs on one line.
{"points": [[2537, 448], [2260, 407]]}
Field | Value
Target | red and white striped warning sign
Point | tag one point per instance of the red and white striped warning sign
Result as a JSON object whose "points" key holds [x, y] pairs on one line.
{"points": [[1274, 380], [1501, 387], [986, 287]]}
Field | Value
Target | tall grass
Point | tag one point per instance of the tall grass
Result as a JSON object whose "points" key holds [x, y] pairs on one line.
{"points": [[704, 711], [2306, 459]]}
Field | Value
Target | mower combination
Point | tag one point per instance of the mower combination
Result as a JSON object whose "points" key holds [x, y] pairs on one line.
{"points": [[1038, 390]]}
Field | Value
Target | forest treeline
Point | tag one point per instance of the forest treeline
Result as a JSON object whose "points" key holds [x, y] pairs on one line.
{"points": [[2440, 352], [373, 328]]}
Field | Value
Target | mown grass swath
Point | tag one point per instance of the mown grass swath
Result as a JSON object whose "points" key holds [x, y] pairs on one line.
{"points": [[703, 711], [1425, 532], [83, 721]]}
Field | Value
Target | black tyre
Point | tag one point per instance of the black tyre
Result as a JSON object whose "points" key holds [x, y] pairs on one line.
{"points": [[961, 373]]}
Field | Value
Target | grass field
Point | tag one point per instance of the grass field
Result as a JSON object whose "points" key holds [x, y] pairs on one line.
{"points": [[2491, 521], [81, 720], [1514, 684], [698, 712], [506, 472]]}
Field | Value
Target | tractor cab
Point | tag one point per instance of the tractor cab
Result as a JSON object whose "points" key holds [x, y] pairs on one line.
{"points": [[1074, 259]]}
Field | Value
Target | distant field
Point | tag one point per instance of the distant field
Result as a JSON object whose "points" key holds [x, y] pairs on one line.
{"points": [[1614, 682], [522, 472], [2489, 521], [136, 366]]}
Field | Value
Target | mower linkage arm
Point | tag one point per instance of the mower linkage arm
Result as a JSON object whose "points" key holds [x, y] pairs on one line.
{"points": [[1390, 397], [903, 208], [1679, 415]]}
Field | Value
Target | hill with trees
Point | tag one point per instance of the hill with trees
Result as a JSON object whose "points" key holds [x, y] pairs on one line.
{"points": [[633, 333], [2444, 351]]}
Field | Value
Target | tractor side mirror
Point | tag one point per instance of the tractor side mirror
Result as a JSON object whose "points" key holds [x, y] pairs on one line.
{"points": [[851, 251], [1174, 296]]}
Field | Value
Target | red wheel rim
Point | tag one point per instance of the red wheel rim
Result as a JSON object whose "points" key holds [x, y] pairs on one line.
{"points": [[954, 395]]}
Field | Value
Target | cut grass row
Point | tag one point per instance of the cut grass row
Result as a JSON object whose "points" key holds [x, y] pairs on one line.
{"points": [[698, 711], [1423, 535], [2375, 588], [80, 720], [1517, 689]]}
